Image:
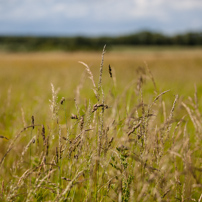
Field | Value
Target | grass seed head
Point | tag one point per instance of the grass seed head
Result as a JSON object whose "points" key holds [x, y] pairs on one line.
{"points": [[33, 121], [62, 100], [110, 71]]}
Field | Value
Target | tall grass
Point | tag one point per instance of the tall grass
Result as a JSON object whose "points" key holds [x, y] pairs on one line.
{"points": [[112, 145]]}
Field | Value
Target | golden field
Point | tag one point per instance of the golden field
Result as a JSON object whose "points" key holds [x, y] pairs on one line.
{"points": [[119, 138], [169, 66]]}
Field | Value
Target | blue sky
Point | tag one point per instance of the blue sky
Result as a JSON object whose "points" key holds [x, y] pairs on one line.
{"points": [[98, 17]]}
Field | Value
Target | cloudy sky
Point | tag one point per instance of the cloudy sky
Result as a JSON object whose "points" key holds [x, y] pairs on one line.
{"points": [[98, 17]]}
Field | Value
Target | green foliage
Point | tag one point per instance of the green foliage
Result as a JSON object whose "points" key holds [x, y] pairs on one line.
{"points": [[126, 188], [26, 43]]}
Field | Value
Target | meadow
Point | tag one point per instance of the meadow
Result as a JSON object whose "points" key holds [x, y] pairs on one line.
{"points": [[118, 125]]}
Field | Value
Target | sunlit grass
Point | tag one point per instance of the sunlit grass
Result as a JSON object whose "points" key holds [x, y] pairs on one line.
{"points": [[136, 141]]}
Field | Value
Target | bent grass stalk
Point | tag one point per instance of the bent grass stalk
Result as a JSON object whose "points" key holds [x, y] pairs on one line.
{"points": [[10, 147]]}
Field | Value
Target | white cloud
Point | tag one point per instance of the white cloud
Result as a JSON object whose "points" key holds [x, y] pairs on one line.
{"points": [[145, 9], [111, 14], [186, 5], [75, 10], [105, 9]]}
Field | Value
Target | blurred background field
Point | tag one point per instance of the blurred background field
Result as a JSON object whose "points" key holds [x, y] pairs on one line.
{"points": [[175, 68], [25, 79]]}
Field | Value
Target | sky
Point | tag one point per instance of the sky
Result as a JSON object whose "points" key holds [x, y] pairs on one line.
{"points": [[98, 17]]}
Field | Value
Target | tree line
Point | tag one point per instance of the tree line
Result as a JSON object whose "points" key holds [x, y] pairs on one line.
{"points": [[145, 38]]}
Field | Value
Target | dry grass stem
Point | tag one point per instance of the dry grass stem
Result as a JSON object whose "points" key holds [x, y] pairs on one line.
{"points": [[90, 76]]}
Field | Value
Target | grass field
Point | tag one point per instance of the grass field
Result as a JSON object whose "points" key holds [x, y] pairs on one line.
{"points": [[73, 131]]}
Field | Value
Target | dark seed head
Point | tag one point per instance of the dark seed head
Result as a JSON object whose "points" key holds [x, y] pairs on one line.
{"points": [[33, 121], [62, 100], [74, 116], [110, 71]]}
